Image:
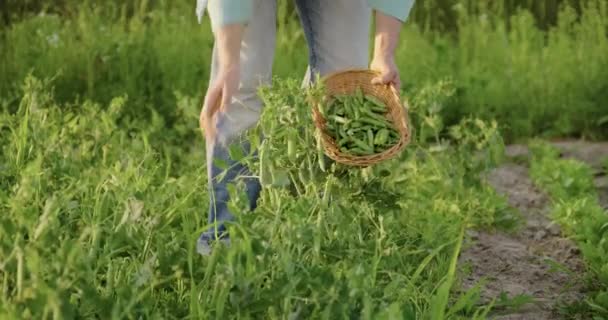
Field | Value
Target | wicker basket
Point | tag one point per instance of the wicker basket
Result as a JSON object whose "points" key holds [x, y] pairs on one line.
{"points": [[347, 82]]}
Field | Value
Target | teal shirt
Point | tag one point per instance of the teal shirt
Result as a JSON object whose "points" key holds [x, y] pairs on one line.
{"points": [[239, 11]]}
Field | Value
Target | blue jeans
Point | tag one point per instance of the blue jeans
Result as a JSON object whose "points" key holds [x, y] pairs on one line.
{"points": [[337, 33]]}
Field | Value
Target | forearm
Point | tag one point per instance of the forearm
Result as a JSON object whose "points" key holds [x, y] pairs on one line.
{"points": [[228, 39], [219, 95], [387, 35]]}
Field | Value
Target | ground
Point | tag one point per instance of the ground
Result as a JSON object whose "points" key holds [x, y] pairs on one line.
{"points": [[519, 263]]}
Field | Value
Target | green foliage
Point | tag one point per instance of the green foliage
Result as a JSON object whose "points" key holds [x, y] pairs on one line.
{"points": [[90, 213], [102, 210], [533, 81], [577, 209], [103, 184], [563, 179], [435, 14], [99, 56]]}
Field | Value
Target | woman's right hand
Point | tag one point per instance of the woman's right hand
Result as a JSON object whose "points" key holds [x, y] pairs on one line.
{"points": [[226, 83], [218, 98]]}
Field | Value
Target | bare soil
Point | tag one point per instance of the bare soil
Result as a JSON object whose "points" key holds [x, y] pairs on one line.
{"points": [[523, 262]]}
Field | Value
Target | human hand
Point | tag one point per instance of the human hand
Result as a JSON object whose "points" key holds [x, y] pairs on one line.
{"points": [[218, 97], [225, 85], [385, 44], [389, 73]]}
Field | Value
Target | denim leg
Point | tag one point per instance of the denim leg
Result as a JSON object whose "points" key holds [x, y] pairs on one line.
{"points": [[242, 113], [337, 33], [220, 176]]}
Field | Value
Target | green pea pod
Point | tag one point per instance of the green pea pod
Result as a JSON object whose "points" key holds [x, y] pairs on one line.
{"points": [[374, 108], [346, 126], [375, 101], [355, 124], [302, 177], [374, 122], [339, 111], [381, 137], [362, 144], [339, 119], [375, 115], [349, 110], [343, 133], [321, 156], [265, 170], [343, 141], [370, 137], [357, 112]]}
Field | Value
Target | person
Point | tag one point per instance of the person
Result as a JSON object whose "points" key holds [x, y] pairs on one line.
{"points": [[337, 34]]}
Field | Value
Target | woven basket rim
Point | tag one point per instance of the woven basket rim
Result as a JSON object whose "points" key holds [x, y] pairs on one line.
{"points": [[396, 108]]}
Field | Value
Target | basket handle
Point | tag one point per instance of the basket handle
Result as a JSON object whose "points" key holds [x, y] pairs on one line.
{"points": [[390, 85]]}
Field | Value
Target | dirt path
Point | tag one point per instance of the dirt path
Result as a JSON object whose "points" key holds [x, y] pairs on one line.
{"points": [[520, 263]]}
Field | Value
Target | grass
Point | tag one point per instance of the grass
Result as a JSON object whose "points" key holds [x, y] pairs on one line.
{"points": [[102, 216], [103, 180], [577, 209], [532, 81]]}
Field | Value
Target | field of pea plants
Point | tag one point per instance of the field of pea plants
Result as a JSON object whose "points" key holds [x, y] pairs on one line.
{"points": [[496, 209]]}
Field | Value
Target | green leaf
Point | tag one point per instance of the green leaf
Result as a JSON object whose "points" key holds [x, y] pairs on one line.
{"points": [[280, 178], [220, 163], [466, 301], [236, 152]]}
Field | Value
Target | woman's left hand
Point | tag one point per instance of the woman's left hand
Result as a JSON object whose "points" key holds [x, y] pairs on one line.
{"points": [[385, 45], [389, 74]]}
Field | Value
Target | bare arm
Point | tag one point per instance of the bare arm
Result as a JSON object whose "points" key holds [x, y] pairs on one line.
{"points": [[385, 45], [228, 40]]}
